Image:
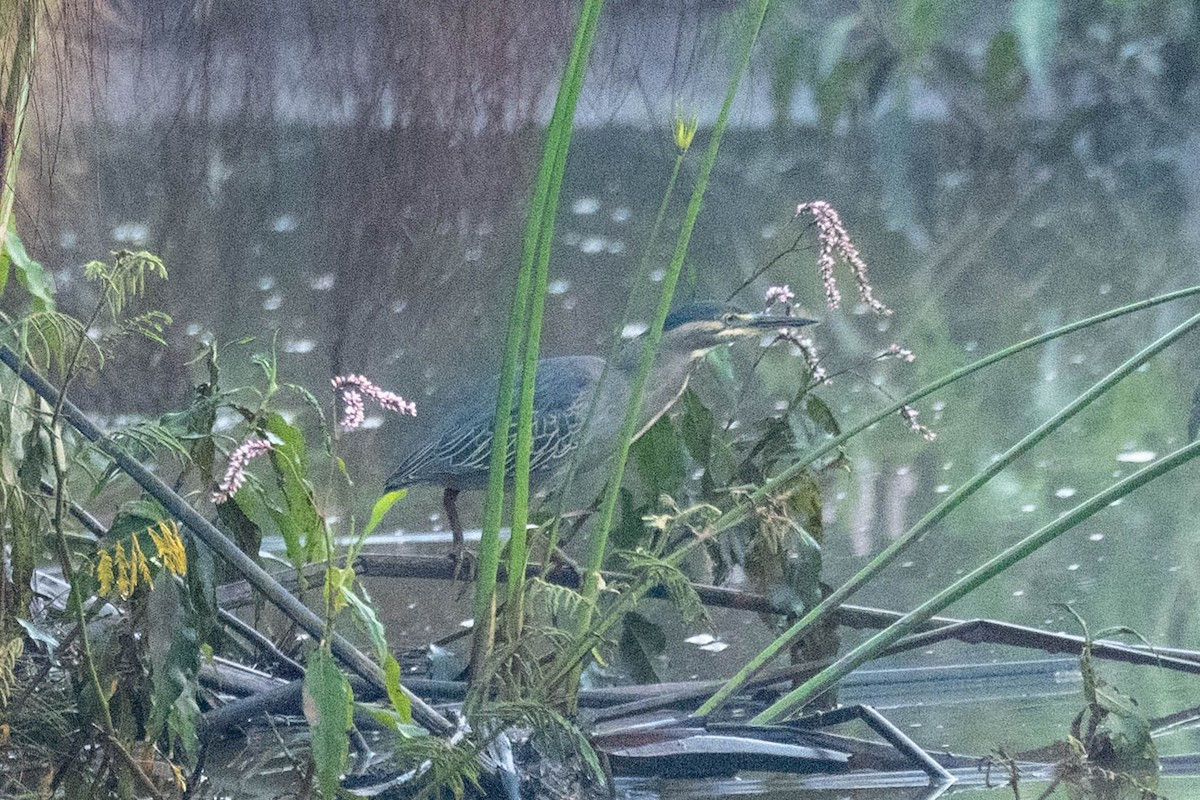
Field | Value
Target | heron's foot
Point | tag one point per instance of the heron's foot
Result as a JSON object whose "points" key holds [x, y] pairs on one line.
{"points": [[465, 563]]}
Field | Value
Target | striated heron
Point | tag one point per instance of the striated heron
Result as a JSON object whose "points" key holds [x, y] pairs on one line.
{"points": [[456, 454]]}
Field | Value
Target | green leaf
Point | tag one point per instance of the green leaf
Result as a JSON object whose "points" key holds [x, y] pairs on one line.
{"points": [[299, 522], [921, 23], [630, 528], [696, 428], [400, 701], [641, 641], [30, 273], [1036, 25], [658, 454], [822, 415], [329, 709], [364, 612], [382, 506], [1003, 76]]}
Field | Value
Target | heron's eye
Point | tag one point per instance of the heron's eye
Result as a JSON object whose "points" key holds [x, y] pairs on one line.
{"points": [[729, 318]]}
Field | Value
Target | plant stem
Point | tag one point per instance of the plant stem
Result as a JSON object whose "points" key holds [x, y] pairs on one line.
{"points": [[489, 546], [968, 583], [591, 584], [952, 501], [613, 352], [570, 664], [75, 600], [12, 113], [561, 143]]}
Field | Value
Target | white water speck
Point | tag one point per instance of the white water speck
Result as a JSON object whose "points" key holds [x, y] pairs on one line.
{"points": [[131, 232], [657, 275], [1019, 593], [266, 283], [1064, 492], [285, 223], [701, 638], [1096, 537], [273, 302], [621, 214], [1072, 567], [323, 282], [1137, 456], [558, 287], [593, 245], [585, 205], [1028, 508], [715, 647], [632, 330], [299, 346]]}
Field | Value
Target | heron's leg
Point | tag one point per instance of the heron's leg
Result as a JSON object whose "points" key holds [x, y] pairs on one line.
{"points": [[449, 501]]}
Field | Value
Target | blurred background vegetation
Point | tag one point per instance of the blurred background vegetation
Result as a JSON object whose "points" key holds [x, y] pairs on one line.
{"points": [[356, 175]]}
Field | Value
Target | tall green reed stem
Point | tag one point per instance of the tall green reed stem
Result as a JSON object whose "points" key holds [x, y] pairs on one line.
{"points": [[559, 145], [869, 649], [545, 189], [952, 501], [591, 581]]}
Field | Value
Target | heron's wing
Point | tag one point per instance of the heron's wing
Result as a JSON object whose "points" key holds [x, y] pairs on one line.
{"points": [[461, 445]]}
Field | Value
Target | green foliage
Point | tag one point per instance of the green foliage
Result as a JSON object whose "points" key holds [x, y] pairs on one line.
{"points": [[30, 274], [329, 709], [300, 523], [1004, 78], [658, 454], [642, 641], [125, 277]]}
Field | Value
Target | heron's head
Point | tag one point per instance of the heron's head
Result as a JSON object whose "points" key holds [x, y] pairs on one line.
{"points": [[696, 329]]}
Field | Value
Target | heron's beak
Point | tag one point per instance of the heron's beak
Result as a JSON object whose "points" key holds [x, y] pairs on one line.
{"points": [[749, 324]]}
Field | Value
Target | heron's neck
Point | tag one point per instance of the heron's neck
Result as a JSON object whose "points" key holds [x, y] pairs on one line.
{"points": [[667, 380]]}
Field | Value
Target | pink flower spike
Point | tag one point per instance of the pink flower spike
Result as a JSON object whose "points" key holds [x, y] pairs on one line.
{"points": [[834, 240], [902, 353], [910, 414], [353, 388], [235, 473], [355, 411], [779, 294]]}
